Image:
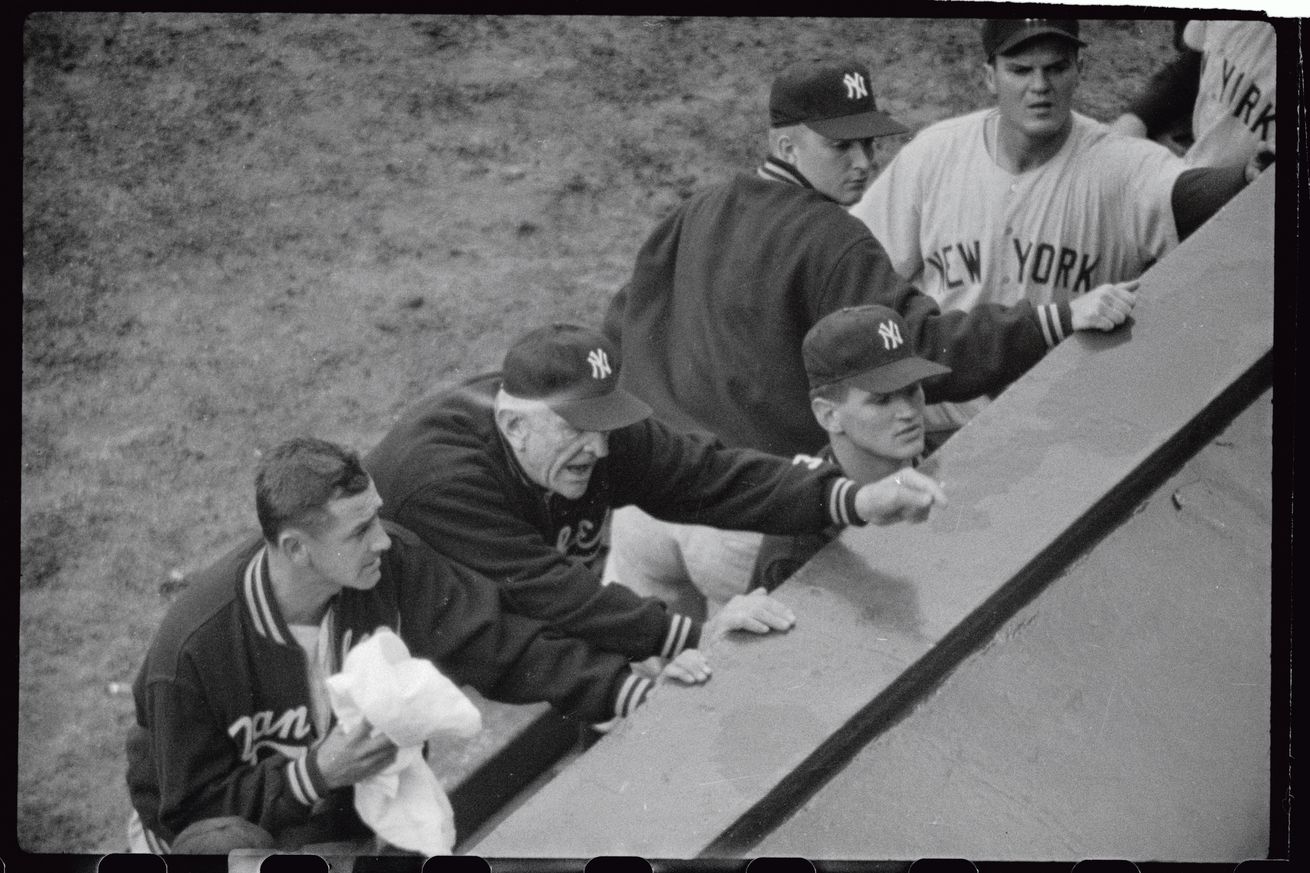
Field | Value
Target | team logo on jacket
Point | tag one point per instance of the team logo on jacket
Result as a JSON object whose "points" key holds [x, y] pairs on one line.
{"points": [[261, 731], [582, 542]]}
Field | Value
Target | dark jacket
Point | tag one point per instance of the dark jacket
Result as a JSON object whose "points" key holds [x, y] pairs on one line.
{"points": [[223, 713], [726, 287], [445, 473]]}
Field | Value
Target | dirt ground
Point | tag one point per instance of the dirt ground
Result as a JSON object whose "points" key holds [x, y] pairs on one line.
{"points": [[237, 228]]}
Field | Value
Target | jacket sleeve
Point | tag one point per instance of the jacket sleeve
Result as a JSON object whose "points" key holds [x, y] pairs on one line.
{"points": [[455, 617], [1198, 193], [986, 348], [468, 518], [695, 479], [201, 774]]}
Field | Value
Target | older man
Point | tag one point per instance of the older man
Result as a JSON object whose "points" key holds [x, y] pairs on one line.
{"points": [[515, 474]]}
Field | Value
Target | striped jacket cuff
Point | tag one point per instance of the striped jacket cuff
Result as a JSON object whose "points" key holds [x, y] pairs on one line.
{"points": [[678, 636], [1056, 320], [841, 502], [305, 779], [632, 694]]}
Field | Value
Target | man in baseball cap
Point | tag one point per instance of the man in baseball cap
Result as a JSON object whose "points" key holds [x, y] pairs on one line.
{"points": [[514, 474], [823, 119], [1030, 201], [866, 390]]}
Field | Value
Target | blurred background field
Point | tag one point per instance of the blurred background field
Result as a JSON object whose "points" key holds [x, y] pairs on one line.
{"points": [[240, 227]]}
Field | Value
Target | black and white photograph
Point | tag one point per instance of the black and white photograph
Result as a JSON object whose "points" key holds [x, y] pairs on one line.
{"points": [[691, 438]]}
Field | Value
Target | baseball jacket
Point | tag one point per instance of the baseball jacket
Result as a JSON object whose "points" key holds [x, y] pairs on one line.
{"points": [[223, 707], [445, 472], [722, 293]]}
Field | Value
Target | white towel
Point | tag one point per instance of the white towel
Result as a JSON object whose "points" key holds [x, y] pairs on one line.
{"points": [[409, 701]]}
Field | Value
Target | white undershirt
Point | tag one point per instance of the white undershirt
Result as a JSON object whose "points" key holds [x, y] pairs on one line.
{"points": [[316, 641]]}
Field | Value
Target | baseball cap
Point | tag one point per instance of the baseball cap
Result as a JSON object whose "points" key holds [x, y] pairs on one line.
{"points": [[999, 35], [575, 370], [831, 98], [867, 347]]}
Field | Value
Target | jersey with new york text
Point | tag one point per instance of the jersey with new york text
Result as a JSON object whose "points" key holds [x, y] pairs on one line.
{"points": [[1234, 111], [967, 232]]}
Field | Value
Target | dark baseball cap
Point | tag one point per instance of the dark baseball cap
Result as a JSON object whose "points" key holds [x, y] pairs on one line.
{"points": [[865, 346], [575, 371], [832, 98], [1000, 35]]}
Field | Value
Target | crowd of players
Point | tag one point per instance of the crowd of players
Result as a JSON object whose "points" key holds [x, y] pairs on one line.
{"points": [[582, 524]]}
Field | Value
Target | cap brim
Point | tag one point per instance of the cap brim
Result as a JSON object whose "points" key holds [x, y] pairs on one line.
{"points": [[1022, 37], [861, 126], [897, 375], [608, 412]]}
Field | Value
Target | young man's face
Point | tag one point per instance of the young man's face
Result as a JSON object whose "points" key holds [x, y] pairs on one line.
{"points": [[556, 455], [887, 425], [838, 168], [1034, 86], [347, 552]]}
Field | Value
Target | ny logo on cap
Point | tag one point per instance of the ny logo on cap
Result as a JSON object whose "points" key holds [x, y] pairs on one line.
{"points": [[855, 88], [891, 334], [600, 364]]}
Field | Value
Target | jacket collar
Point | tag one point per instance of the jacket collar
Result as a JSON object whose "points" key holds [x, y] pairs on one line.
{"points": [[781, 171], [266, 617], [261, 605]]}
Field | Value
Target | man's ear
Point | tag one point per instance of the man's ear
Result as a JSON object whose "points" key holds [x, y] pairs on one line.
{"points": [[291, 545], [825, 413], [785, 148], [989, 76], [513, 425]]}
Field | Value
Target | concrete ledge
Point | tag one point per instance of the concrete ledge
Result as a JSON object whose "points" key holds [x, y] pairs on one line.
{"points": [[884, 613], [516, 745], [1122, 713]]}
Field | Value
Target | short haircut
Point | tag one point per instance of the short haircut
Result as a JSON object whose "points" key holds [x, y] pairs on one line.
{"points": [[296, 480]]}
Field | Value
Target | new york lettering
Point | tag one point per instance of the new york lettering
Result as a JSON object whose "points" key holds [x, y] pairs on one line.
{"points": [[967, 255], [1229, 90], [1043, 264]]}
